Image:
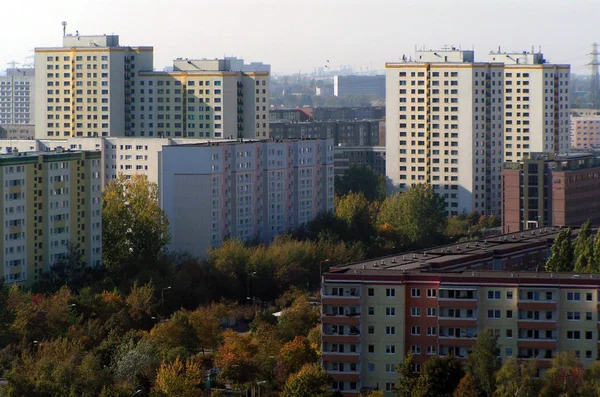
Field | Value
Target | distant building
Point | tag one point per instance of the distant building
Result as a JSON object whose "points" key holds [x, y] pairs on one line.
{"points": [[344, 86], [349, 113], [295, 115], [243, 190], [94, 87], [17, 131], [352, 133], [585, 128], [347, 156], [548, 190], [17, 95], [326, 90], [49, 200]]}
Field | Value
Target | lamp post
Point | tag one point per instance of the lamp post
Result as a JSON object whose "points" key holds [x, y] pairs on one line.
{"points": [[162, 298]]}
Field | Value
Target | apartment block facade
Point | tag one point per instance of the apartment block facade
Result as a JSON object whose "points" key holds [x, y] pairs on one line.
{"points": [[243, 190], [548, 190], [94, 87], [451, 122], [585, 128], [17, 95], [49, 201], [376, 312]]}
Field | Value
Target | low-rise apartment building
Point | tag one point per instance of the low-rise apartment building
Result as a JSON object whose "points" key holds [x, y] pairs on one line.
{"points": [[49, 201], [585, 128], [435, 302]]}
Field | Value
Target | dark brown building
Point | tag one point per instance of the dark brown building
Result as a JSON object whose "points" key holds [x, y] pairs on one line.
{"points": [[550, 190]]}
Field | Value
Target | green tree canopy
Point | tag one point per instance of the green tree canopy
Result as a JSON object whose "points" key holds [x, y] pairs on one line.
{"points": [[135, 230], [310, 381], [583, 248], [439, 376], [484, 361], [418, 215], [561, 259], [517, 379], [361, 179], [566, 377]]}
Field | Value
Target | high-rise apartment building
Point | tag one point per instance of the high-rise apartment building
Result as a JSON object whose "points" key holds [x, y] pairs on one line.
{"points": [[94, 87], [451, 122], [17, 96], [435, 303], [50, 201], [243, 190]]}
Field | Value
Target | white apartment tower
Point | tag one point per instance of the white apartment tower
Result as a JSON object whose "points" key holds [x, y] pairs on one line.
{"points": [[451, 122], [94, 87], [17, 96]]}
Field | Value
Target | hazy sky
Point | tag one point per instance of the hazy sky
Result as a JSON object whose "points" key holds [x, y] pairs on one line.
{"points": [[298, 35]]}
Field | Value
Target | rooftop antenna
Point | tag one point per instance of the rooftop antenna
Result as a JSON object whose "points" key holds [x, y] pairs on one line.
{"points": [[64, 25]]}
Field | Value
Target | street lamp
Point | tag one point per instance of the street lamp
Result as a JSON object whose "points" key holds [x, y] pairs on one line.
{"points": [[162, 298], [250, 275]]}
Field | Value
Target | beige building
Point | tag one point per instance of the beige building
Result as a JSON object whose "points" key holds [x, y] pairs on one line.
{"points": [[49, 201], [585, 128], [451, 121], [94, 87]]}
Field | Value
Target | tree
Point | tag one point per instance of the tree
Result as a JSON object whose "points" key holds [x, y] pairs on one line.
{"points": [[517, 379], [135, 230], [565, 377], [178, 379], [596, 253], [358, 215], [235, 358], [467, 387], [418, 215], [293, 355], [440, 376], [484, 361], [7, 315], [297, 320], [583, 248], [70, 270], [407, 381], [561, 259], [361, 179], [310, 381]]}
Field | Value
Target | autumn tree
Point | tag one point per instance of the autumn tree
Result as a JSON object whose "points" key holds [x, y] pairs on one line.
{"points": [[484, 361], [467, 387], [418, 214], [297, 320], [310, 381], [135, 230], [561, 259], [517, 379], [361, 179], [439, 376], [235, 358], [358, 215], [175, 337], [178, 379], [293, 355], [566, 377]]}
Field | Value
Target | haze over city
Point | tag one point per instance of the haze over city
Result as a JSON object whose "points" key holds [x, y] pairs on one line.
{"points": [[295, 37]]}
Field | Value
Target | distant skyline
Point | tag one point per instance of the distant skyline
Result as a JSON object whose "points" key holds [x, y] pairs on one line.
{"points": [[298, 37]]}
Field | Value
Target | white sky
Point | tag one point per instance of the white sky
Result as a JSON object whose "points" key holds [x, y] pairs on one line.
{"points": [[298, 35]]}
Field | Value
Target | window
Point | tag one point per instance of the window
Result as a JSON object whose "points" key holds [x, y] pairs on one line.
{"points": [[588, 296], [415, 311], [371, 311], [588, 316], [431, 312], [371, 292], [509, 333], [494, 314], [415, 330], [390, 292], [573, 334], [588, 335], [390, 311], [390, 368], [390, 386], [573, 296], [371, 348], [415, 349], [371, 329], [390, 330], [431, 293], [494, 295], [371, 367], [509, 295], [588, 354], [508, 351], [415, 292], [390, 349], [573, 316], [509, 314], [431, 350], [431, 331]]}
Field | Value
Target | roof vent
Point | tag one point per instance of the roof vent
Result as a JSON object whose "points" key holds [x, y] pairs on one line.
{"points": [[458, 247], [393, 260], [375, 264], [404, 258], [414, 256], [468, 246]]}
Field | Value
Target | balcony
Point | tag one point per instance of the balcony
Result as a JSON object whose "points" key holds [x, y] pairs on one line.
{"points": [[344, 376], [531, 343], [469, 322], [341, 357], [526, 304]]}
